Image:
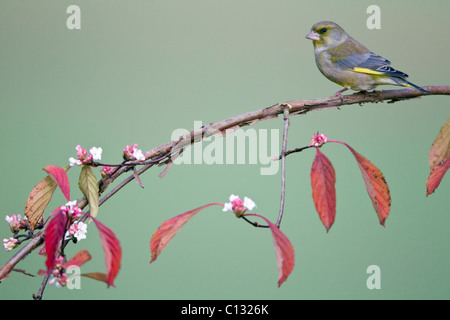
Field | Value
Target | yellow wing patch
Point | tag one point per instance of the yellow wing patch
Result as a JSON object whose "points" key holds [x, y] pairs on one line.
{"points": [[365, 70]]}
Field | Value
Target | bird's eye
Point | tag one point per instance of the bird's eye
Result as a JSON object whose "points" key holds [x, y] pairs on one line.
{"points": [[323, 30]]}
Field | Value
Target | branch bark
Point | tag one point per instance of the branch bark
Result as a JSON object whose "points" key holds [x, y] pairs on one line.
{"points": [[165, 153]]}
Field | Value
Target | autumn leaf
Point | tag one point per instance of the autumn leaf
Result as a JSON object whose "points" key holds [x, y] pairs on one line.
{"points": [[78, 260], [111, 250], [60, 177], [89, 187], [38, 200], [169, 228], [41, 194], [53, 235], [323, 181], [96, 276], [440, 148], [436, 175], [376, 185], [284, 250]]}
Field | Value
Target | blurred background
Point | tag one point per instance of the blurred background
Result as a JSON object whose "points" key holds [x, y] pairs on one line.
{"points": [[138, 70]]}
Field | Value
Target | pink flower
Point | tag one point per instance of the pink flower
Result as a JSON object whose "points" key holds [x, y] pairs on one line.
{"points": [[132, 153], [84, 158], [238, 206], [318, 140], [10, 243], [15, 224], [71, 209], [106, 171], [59, 276]]}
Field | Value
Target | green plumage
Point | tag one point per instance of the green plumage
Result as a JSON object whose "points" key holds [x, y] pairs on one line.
{"points": [[350, 64]]}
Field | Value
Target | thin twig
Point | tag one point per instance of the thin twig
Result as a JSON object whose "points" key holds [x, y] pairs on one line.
{"points": [[286, 110], [255, 224], [38, 296]]}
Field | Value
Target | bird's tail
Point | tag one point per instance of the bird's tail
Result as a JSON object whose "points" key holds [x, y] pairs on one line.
{"points": [[408, 84]]}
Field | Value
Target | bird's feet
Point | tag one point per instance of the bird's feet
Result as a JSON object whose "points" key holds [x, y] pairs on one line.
{"points": [[339, 95]]}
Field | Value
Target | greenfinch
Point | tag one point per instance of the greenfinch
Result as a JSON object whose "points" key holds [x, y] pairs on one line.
{"points": [[350, 64]]}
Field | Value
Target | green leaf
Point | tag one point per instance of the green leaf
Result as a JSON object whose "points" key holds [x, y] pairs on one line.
{"points": [[89, 187]]}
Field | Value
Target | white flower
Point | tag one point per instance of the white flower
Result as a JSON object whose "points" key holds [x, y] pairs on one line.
{"points": [[81, 232], [73, 161], [9, 219], [71, 204], [96, 153], [54, 281], [249, 204], [138, 155], [229, 205], [77, 230]]}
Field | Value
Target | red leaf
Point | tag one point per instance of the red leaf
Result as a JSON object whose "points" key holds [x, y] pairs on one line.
{"points": [[436, 175], [169, 228], [79, 259], [323, 181], [53, 235], [376, 185], [60, 176], [96, 276], [284, 251], [440, 149], [111, 250]]}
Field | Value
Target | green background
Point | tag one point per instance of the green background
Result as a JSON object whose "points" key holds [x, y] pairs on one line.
{"points": [[137, 70]]}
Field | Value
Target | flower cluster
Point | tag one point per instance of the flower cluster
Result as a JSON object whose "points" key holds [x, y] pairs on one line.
{"points": [[238, 206], [106, 171], [15, 224], [59, 276], [77, 230], [71, 209], [133, 153], [318, 140], [84, 158], [10, 243]]}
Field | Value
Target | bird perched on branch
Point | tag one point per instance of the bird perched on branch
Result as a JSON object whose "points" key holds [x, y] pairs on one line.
{"points": [[350, 64]]}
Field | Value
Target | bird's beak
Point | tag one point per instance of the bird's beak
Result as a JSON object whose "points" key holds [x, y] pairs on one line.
{"points": [[313, 36]]}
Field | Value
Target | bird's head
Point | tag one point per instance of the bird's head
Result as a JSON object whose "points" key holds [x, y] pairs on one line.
{"points": [[325, 33]]}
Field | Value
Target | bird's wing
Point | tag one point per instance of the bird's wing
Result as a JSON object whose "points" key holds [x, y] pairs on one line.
{"points": [[369, 63]]}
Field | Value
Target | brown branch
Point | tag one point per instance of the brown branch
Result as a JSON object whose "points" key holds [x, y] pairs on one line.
{"points": [[164, 153], [298, 107]]}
